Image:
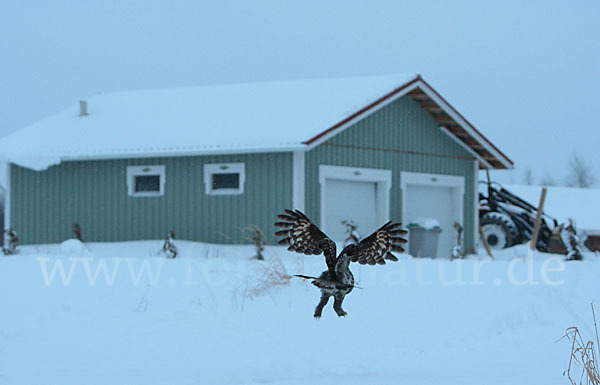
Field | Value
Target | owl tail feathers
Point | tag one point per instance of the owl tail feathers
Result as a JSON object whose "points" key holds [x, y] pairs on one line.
{"points": [[304, 276], [326, 284]]}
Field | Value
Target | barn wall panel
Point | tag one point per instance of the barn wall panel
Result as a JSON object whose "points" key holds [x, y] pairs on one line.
{"points": [[400, 137], [94, 194]]}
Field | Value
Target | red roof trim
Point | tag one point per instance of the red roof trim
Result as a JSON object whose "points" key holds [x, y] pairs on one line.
{"points": [[466, 121], [363, 110], [393, 93]]}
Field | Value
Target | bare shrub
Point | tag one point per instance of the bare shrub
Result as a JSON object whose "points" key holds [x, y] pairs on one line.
{"points": [[77, 231], [351, 232], [579, 172], [528, 176], [548, 181], [255, 235]]}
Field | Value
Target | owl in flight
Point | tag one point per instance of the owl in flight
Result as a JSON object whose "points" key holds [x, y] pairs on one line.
{"points": [[305, 237]]}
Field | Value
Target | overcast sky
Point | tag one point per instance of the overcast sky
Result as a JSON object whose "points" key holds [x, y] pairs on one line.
{"points": [[525, 73]]}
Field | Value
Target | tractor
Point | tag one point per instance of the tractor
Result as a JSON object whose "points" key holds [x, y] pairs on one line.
{"points": [[507, 220]]}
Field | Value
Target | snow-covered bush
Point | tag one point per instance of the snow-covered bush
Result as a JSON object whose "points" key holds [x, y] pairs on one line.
{"points": [[457, 250], [169, 247], [351, 232], [11, 241], [573, 243]]}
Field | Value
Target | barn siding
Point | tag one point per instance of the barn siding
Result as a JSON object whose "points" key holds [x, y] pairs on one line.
{"points": [[400, 137], [94, 193], [400, 126]]}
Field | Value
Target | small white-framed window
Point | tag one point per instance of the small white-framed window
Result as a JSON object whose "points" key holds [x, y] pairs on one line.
{"points": [[146, 181], [224, 178]]}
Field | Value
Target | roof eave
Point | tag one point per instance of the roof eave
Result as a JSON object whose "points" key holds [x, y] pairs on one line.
{"points": [[419, 83], [499, 155], [174, 153]]}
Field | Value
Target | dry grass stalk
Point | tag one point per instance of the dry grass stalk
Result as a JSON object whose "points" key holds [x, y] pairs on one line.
{"points": [[582, 362], [262, 279], [269, 275]]}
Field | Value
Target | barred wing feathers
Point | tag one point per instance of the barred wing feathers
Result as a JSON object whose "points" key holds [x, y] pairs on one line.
{"points": [[305, 237], [378, 247]]}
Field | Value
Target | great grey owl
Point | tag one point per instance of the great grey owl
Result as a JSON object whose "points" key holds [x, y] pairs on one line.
{"points": [[305, 237]]}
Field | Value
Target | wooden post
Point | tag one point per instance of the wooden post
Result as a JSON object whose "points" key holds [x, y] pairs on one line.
{"points": [[538, 220], [486, 246]]}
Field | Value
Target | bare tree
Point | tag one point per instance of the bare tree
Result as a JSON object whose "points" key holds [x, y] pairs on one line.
{"points": [[579, 172], [548, 180], [528, 177]]}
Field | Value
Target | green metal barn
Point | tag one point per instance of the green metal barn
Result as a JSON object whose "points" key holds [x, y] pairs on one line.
{"points": [[208, 161]]}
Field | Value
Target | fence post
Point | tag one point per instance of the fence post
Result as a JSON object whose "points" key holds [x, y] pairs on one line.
{"points": [[538, 220]]}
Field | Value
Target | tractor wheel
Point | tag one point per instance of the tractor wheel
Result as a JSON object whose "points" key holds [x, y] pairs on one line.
{"points": [[499, 230]]}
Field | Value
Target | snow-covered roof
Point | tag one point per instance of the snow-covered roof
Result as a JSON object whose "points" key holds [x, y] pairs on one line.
{"points": [[237, 118]]}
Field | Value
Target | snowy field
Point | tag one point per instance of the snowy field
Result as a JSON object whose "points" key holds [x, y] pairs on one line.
{"points": [[120, 313]]}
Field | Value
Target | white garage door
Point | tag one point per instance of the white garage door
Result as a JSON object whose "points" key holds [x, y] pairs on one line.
{"points": [[349, 200], [437, 202]]}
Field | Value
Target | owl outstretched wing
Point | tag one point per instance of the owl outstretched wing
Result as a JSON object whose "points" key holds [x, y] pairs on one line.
{"points": [[378, 247], [305, 237]]}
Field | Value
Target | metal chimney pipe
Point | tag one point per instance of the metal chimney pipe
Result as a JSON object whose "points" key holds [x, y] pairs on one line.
{"points": [[83, 108]]}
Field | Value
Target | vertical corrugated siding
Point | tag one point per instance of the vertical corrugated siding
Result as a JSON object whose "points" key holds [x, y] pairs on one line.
{"points": [[94, 193], [404, 126]]}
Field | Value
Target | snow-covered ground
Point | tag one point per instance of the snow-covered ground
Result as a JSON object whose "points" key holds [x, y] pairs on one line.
{"points": [[215, 316]]}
